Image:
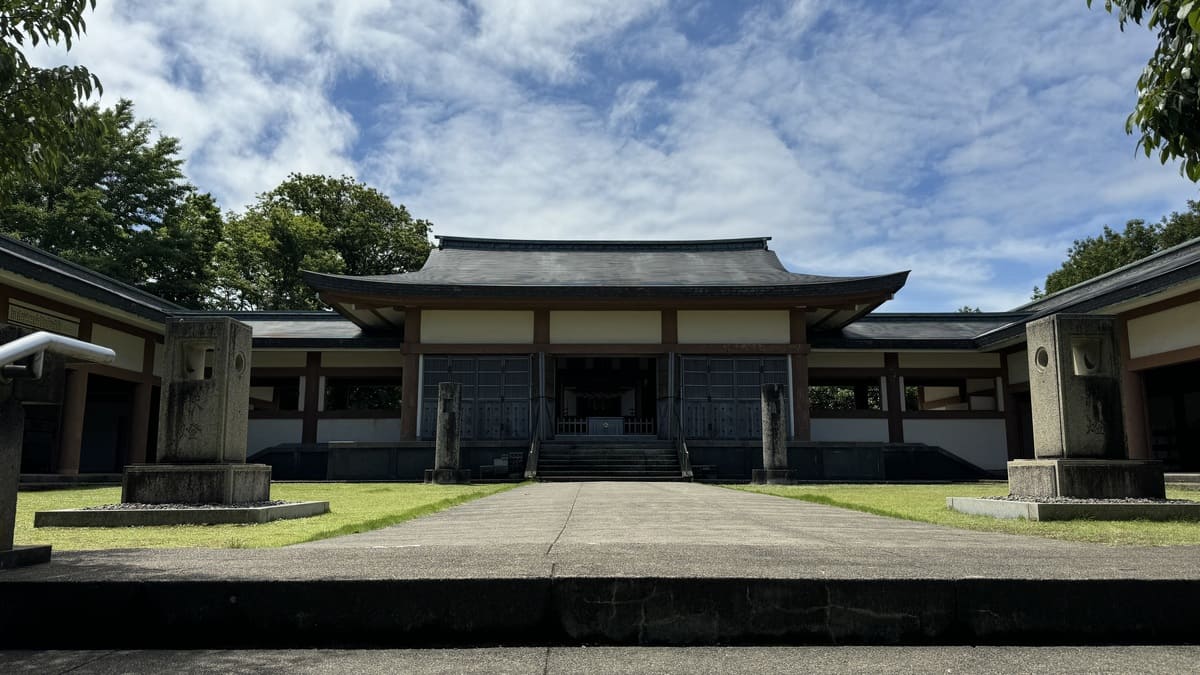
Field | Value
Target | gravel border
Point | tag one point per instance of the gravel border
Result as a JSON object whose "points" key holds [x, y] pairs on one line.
{"points": [[1077, 500], [196, 507]]}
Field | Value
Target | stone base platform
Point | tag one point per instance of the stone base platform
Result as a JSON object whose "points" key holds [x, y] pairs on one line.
{"points": [[224, 515], [1086, 478], [1114, 510], [196, 484], [22, 556], [771, 477]]}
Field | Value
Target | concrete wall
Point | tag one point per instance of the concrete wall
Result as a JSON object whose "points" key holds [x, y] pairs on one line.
{"points": [[375, 430], [362, 359], [1018, 367], [948, 360], [734, 326], [470, 326], [820, 359], [614, 327], [1165, 331], [853, 430], [981, 442], [267, 358], [266, 433]]}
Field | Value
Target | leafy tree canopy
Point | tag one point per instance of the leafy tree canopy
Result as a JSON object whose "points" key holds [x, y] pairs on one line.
{"points": [[40, 107], [316, 223], [1093, 256], [1169, 87], [119, 204]]}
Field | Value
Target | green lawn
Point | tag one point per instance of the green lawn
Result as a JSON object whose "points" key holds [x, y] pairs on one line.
{"points": [[354, 507], [927, 503]]}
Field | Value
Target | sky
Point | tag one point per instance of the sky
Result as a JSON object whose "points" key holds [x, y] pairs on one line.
{"points": [[970, 141]]}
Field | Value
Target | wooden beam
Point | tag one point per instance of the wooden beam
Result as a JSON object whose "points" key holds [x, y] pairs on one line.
{"points": [[801, 409], [312, 394], [891, 364]]}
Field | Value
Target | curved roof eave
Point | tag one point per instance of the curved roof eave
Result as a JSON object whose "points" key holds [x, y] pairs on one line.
{"points": [[882, 285]]}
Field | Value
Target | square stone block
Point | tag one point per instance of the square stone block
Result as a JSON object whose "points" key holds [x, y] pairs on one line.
{"points": [[196, 484], [1086, 478]]}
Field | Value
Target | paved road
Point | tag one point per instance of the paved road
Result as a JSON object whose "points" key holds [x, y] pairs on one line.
{"points": [[640, 529], [692, 661]]}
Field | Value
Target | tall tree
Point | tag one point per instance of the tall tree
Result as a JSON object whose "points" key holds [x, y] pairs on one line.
{"points": [[40, 108], [1090, 257], [1169, 87], [119, 204], [318, 223]]}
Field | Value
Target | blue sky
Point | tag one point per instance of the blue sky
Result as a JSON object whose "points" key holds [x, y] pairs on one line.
{"points": [[969, 141]]}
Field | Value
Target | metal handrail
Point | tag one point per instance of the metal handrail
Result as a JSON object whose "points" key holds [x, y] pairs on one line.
{"points": [[35, 346]]}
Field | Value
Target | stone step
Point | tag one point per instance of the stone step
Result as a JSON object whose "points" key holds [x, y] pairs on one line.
{"points": [[177, 611]]}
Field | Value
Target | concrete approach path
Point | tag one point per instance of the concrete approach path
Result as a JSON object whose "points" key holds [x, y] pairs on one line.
{"points": [[618, 563]]}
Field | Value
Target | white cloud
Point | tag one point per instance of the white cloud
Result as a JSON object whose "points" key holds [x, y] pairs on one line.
{"points": [[970, 142]]}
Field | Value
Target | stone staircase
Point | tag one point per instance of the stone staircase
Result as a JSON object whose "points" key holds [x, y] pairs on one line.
{"points": [[608, 460]]}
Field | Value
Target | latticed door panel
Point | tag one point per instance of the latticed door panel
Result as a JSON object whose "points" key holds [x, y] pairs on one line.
{"points": [[722, 394], [495, 395]]}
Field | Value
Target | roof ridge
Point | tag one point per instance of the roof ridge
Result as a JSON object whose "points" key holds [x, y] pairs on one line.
{"points": [[682, 245]]}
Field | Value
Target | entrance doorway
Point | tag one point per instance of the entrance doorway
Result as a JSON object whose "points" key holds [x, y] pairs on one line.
{"points": [[1173, 401], [605, 396]]}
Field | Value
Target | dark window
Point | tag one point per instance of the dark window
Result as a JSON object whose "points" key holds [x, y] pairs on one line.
{"points": [[845, 395], [363, 393], [275, 393]]}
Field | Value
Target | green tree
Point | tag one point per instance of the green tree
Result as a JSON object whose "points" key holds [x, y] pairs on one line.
{"points": [[1169, 87], [40, 108], [1093, 256], [317, 223], [119, 204]]}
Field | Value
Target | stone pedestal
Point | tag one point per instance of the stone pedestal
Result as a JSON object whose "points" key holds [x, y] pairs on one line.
{"points": [[196, 484], [774, 438], [1086, 478], [1078, 429]]}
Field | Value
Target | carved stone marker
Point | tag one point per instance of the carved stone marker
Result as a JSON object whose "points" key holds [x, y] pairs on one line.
{"points": [[774, 437], [448, 439], [1078, 429], [202, 420]]}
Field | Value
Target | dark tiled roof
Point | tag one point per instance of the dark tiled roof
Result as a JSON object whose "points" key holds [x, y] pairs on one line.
{"points": [[500, 267], [950, 330], [1146, 276], [34, 263]]}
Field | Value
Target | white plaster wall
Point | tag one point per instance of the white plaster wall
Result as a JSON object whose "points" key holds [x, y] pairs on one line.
{"points": [[981, 442], [466, 326], [734, 326], [839, 429], [1168, 330], [130, 349], [363, 359], [378, 430], [612, 327], [949, 360], [266, 433], [845, 360], [1018, 367], [266, 358]]}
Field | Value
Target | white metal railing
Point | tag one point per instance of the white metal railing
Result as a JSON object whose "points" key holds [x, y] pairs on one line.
{"points": [[35, 346]]}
